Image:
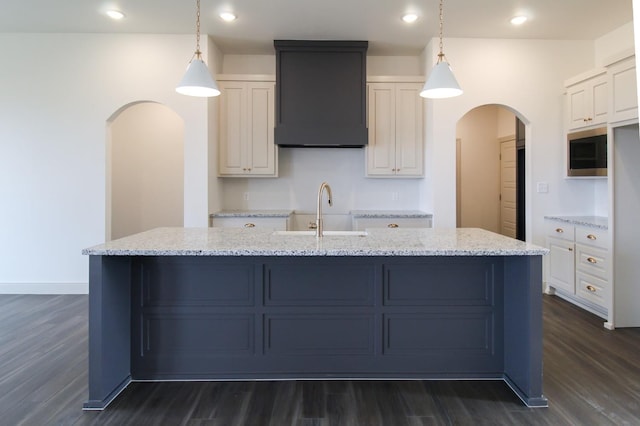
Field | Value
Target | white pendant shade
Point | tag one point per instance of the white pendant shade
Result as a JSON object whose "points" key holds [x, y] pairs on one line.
{"points": [[197, 81], [441, 83]]}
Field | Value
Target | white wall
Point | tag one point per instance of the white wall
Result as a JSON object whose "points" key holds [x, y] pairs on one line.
{"points": [[214, 185], [147, 169], [506, 123], [616, 41], [376, 65], [527, 76], [58, 90]]}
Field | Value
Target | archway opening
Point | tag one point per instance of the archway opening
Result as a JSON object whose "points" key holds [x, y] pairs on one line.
{"points": [[490, 171], [145, 169]]}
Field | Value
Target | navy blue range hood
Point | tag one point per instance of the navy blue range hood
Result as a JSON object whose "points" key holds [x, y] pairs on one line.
{"points": [[321, 93]]}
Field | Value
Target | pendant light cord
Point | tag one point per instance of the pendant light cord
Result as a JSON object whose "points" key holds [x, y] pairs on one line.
{"points": [[198, 53], [441, 54]]}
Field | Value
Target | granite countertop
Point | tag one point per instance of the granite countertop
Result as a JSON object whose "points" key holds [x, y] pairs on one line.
{"points": [[390, 214], [599, 222], [252, 213], [262, 242]]}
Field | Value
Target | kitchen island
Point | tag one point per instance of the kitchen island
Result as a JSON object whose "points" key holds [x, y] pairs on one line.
{"points": [[252, 304]]}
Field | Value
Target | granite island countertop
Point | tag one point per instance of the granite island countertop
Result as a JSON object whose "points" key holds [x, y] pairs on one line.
{"points": [[263, 242]]}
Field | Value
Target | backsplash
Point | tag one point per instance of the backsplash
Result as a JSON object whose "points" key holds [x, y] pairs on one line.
{"points": [[301, 173]]}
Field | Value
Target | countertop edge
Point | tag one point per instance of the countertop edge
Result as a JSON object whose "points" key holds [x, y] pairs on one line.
{"points": [[597, 222]]}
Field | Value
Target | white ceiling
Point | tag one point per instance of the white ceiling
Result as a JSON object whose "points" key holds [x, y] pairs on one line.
{"points": [[378, 21]]}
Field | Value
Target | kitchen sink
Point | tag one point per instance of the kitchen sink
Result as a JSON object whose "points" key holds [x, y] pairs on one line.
{"points": [[325, 233]]}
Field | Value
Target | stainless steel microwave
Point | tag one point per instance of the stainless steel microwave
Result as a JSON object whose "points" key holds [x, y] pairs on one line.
{"points": [[587, 152]]}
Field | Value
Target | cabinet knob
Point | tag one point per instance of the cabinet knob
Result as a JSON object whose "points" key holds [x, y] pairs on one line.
{"points": [[249, 225], [570, 249], [559, 230], [392, 225], [591, 260], [591, 288], [591, 237], [312, 225]]}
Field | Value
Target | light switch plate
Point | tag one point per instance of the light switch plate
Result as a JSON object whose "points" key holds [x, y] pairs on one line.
{"points": [[543, 187]]}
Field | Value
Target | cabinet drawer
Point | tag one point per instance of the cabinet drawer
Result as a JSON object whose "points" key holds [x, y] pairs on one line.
{"points": [[564, 231], [592, 288], [592, 260], [591, 236], [360, 224], [275, 223]]}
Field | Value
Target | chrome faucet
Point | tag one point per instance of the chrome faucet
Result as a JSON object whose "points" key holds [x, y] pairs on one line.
{"points": [[319, 228]]}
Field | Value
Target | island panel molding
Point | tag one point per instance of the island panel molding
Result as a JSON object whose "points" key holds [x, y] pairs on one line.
{"points": [[162, 317]]}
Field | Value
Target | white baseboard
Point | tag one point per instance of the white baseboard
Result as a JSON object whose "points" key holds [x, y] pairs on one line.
{"points": [[44, 288]]}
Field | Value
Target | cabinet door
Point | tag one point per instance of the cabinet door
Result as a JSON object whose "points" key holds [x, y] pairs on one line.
{"points": [[624, 94], [561, 265], [233, 128], [576, 97], [588, 103], [246, 129], [261, 150], [599, 106], [409, 130], [381, 150]]}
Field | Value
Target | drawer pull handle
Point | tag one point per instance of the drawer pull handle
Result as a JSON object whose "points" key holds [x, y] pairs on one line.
{"points": [[591, 260], [570, 249], [249, 225], [591, 237], [559, 230], [591, 288], [312, 225], [392, 225]]}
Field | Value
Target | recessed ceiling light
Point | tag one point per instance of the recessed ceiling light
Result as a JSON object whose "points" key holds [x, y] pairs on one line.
{"points": [[115, 14], [409, 18], [228, 16], [518, 20]]}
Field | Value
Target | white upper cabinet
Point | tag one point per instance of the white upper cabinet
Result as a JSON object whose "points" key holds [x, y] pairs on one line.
{"points": [[588, 101], [247, 122], [624, 92], [396, 136]]}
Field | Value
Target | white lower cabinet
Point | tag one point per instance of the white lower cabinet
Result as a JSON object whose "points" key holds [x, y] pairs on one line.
{"points": [[362, 223], [578, 264], [275, 223], [561, 270]]}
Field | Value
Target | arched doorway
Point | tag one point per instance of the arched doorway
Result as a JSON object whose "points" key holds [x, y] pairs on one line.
{"points": [[145, 169], [490, 171]]}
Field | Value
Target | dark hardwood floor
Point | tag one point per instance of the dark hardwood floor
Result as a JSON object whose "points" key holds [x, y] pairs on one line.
{"points": [[591, 377]]}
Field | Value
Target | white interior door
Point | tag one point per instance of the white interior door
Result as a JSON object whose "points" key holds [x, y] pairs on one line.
{"points": [[508, 190]]}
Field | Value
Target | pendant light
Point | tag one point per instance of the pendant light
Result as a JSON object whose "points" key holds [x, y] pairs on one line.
{"points": [[197, 81], [441, 83]]}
